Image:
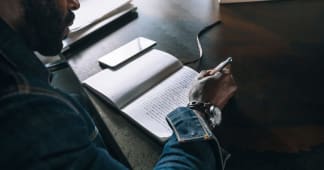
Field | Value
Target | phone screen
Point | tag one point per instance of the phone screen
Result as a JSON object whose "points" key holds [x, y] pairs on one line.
{"points": [[126, 52]]}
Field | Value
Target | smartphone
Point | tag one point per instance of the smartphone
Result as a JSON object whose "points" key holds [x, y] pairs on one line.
{"points": [[126, 52]]}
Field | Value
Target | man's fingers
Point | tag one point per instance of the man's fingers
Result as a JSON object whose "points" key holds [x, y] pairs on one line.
{"points": [[227, 69], [215, 76], [213, 73], [201, 75]]}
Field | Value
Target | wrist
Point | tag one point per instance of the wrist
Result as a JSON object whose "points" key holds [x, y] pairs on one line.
{"points": [[209, 112]]}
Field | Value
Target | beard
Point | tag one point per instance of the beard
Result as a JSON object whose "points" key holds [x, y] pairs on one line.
{"points": [[45, 26]]}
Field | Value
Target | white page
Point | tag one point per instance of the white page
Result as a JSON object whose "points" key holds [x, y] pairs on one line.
{"points": [[150, 109], [133, 79], [92, 11]]}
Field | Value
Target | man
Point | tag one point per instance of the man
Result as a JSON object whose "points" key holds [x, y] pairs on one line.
{"points": [[44, 128]]}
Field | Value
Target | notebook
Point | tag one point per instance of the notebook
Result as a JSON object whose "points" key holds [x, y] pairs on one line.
{"points": [[146, 90]]}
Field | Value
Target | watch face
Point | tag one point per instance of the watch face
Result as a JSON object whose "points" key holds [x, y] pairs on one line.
{"points": [[215, 116]]}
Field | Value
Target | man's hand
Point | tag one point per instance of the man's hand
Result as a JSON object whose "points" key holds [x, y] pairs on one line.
{"points": [[213, 86]]}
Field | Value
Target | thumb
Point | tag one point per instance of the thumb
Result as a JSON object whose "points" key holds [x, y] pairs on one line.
{"points": [[215, 76], [201, 75]]}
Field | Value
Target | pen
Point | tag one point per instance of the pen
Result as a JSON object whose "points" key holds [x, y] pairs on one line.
{"points": [[221, 66]]}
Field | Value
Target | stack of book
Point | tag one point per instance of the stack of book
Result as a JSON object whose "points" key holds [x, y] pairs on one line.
{"points": [[94, 14]]}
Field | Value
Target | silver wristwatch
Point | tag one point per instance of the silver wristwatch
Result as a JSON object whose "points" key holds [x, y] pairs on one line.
{"points": [[212, 112]]}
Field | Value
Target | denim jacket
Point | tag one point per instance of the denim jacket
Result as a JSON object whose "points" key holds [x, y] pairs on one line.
{"points": [[44, 128]]}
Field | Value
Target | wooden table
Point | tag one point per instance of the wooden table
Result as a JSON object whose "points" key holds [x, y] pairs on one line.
{"points": [[278, 52]]}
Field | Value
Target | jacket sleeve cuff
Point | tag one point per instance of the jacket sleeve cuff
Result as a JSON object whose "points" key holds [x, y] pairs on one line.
{"points": [[188, 125]]}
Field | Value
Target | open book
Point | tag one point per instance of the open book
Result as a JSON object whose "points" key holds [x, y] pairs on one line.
{"points": [[93, 15], [146, 89]]}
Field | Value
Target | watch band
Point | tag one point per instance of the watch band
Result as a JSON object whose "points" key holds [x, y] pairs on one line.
{"points": [[212, 112]]}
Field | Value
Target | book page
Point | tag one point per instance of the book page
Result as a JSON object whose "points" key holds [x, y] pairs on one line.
{"points": [[150, 109], [133, 79], [92, 11]]}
